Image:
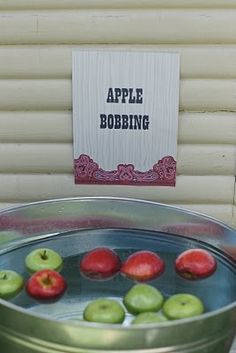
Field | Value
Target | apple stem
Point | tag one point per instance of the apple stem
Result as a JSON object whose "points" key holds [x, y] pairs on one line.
{"points": [[44, 255], [47, 280]]}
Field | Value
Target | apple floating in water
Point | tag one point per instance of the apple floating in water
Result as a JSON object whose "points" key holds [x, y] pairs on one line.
{"points": [[46, 284], [143, 266], [43, 258], [182, 306], [104, 310], [194, 264], [143, 298], [149, 318], [100, 263], [11, 283]]}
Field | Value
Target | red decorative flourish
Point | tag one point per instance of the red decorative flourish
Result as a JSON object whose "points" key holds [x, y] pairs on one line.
{"points": [[166, 168], [88, 172]]}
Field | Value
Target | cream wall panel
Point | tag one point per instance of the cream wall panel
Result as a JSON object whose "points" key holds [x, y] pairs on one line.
{"points": [[199, 61], [197, 94], [35, 94], [35, 126], [62, 4], [58, 158], [134, 26], [206, 159], [194, 127], [56, 126], [208, 95], [189, 189], [36, 158]]}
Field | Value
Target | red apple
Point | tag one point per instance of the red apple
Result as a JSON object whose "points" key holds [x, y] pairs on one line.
{"points": [[100, 263], [46, 284], [143, 266], [195, 264]]}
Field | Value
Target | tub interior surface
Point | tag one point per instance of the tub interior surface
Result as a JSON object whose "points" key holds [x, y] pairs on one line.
{"points": [[216, 291]]}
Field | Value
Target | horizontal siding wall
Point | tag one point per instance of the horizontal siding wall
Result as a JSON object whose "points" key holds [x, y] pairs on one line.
{"points": [[56, 126], [131, 26], [54, 61], [53, 94], [194, 160], [36, 41], [96, 4], [201, 189]]}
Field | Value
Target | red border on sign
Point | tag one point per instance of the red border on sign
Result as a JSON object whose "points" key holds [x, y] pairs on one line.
{"points": [[162, 173]]}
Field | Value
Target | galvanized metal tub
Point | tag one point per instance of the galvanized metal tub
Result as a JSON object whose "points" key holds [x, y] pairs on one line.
{"points": [[26, 331]]}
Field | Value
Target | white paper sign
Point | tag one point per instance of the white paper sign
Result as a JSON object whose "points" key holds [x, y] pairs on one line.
{"points": [[125, 117]]}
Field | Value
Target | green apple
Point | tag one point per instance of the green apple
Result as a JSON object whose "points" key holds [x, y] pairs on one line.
{"points": [[143, 298], [11, 284], [104, 311], [181, 306], [149, 318], [43, 258]]}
